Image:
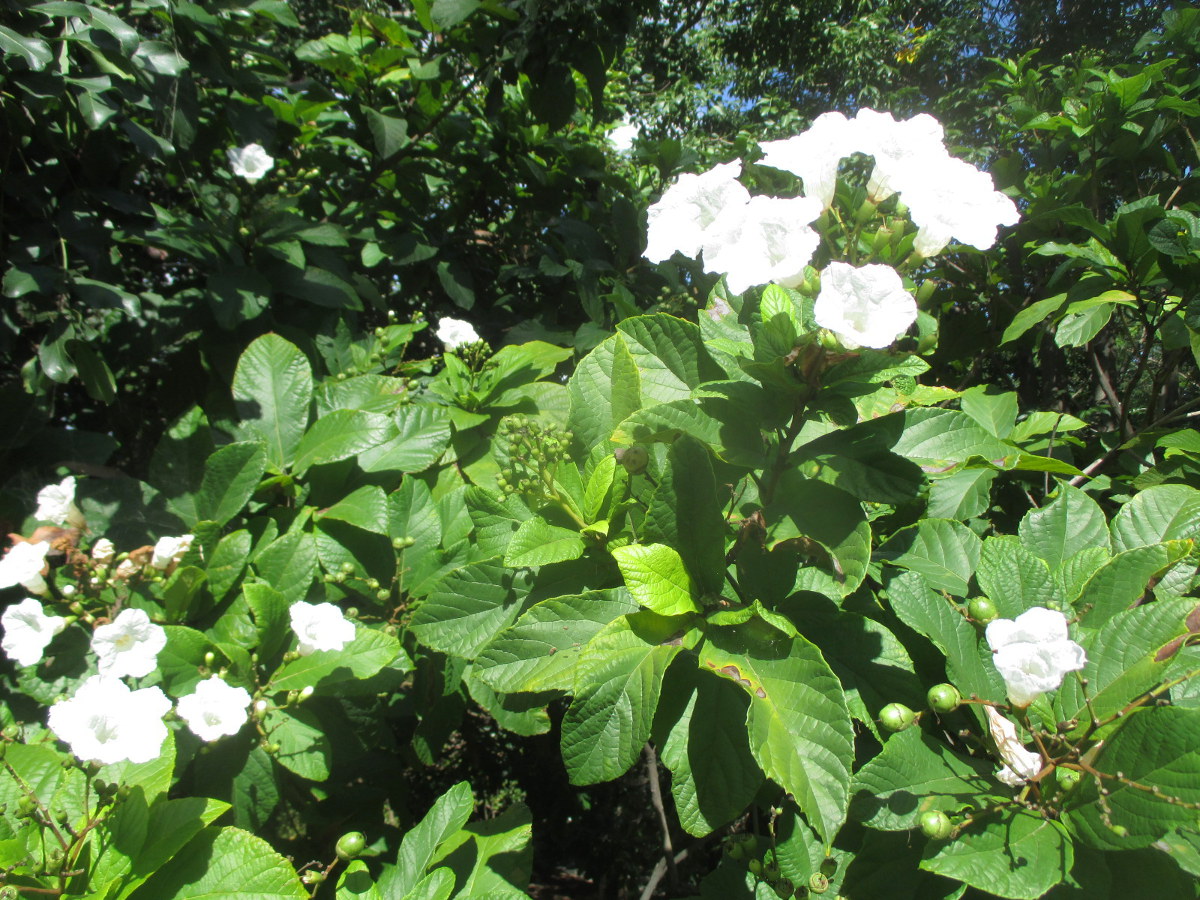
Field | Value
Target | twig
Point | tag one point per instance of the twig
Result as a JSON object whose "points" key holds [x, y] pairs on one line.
{"points": [[657, 802]]}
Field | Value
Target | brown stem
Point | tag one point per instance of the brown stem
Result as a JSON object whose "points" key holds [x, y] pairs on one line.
{"points": [[656, 801]]}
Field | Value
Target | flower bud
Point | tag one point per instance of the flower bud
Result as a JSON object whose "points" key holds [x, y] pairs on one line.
{"points": [[210, 659], [896, 717], [982, 610], [402, 543], [1067, 778], [350, 845], [305, 693], [314, 877], [936, 825], [943, 698], [348, 568]]}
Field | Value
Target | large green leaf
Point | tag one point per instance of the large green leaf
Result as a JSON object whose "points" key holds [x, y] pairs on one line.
{"points": [[423, 436], [339, 435], [289, 563], [713, 773], [938, 438], [470, 607], [798, 723], [304, 748], [1014, 578], [829, 525], [231, 476], [605, 389], [670, 356], [656, 578], [915, 774], [272, 389], [1062, 528], [369, 652], [365, 508], [538, 543], [617, 687], [1125, 578], [539, 652], [1018, 854], [492, 860], [420, 844], [1165, 512], [943, 551], [225, 863]]}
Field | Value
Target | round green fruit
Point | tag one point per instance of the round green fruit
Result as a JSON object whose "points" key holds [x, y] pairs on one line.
{"points": [[1067, 778], [943, 698], [896, 717], [936, 825], [783, 888], [633, 459], [982, 610], [350, 845]]}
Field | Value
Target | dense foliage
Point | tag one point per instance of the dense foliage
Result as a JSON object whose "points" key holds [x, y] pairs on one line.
{"points": [[347, 420]]}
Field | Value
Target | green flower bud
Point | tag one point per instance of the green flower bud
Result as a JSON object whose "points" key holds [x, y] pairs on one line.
{"points": [[1067, 778], [943, 698], [305, 693], [383, 595], [896, 717], [350, 845], [818, 883], [982, 610], [633, 459], [402, 543], [314, 877], [373, 584], [935, 825], [348, 568], [210, 659]]}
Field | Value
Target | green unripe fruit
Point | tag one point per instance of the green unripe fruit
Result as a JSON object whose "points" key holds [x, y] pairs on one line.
{"points": [[382, 595], [896, 717], [783, 888], [402, 543], [944, 698], [829, 866], [982, 610], [818, 883], [1067, 778], [755, 866], [350, 845], [314, 877], [1119, 830], [348, 568], [936, 825], [633, 459], [772, 872]]}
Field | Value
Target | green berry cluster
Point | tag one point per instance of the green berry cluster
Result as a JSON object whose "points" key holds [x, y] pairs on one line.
{"points": [[533, 450]]}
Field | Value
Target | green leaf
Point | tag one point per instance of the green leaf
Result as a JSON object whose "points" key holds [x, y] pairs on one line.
{"points": [[831, 528], [915, 774], [227, 563], [365, 508], [605, 389], [664, 422], [670, 356], [339, 435], [997, 412], [171, 824], [1065, 526], [1019, 855], [420, 844], [226, 863], [944, 551], [618, 683], [656, 578], [1126, 656], [423, 436], [937, 439], [541, 650], [1165, 512], [1125, 578], [932, 616], [685, 513], [356, 883], [303, 745], [448, 13], [269, 609], [469, 607], [272, 389], [538, 543], [1013, 578], [713, 773], [389, 132], [798, 723], [288, 564], [35, 52], [961, 495], [369, 652], [1158, 748], [1031, 315], [231, 476], [1076, 329]]}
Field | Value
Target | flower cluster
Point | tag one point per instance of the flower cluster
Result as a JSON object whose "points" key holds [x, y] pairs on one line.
{"points": [[1033, 652], [757, 240]]}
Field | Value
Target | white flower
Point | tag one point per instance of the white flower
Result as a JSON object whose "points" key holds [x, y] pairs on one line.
{"points": [[215, 709], [27, 631], [623, 136], [125, 570], [107, 722], [903, 151], [56, 503], [320, 627], [23, 565], [251, 162], [769, 241], [1033, 652], [170, 550], [865, 306], [103, 551], [956, 201], [129, 645], [690, 207], [455, 332], [814, 154], [1019, 764]]}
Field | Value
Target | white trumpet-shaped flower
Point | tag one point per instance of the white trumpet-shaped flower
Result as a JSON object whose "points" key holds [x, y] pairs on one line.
{"points": [[28, 631], [865, 306], [957, 202], [770, 241], [129, 645], [1019, 764], [56, 503], [107, 722], [904, 151], [683, 216], [214, 709], [251, 162], [455, 332], [23, 565], [320, 626], [169, 550], [1033, 652], [814, 154], [103, 551]]}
